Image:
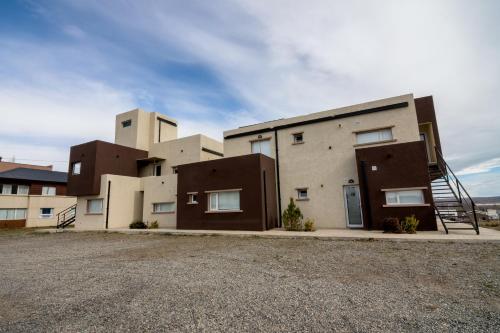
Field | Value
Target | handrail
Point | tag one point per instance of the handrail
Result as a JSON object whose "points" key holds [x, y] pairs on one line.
{"points": [[463, 199], [61, 216]]}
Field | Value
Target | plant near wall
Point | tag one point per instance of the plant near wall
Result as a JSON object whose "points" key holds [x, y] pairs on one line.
{"points": [[309, 225], [292, 217], [153, 225], [138, 225], [391, 225], [410, 224]]}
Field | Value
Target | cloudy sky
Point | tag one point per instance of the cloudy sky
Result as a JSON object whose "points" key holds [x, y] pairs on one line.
{"points": [[67, 67]]}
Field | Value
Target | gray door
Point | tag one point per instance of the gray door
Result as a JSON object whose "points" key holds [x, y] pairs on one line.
{"points": [[353, 206]]}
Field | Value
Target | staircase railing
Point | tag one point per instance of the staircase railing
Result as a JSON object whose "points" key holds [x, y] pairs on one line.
{"points": [[458, 190], [66, 215]]}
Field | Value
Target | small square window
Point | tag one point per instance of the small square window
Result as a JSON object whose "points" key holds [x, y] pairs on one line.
{"points": [[46, 213], [174, 170], [298, 138], [127, 123], [48, 190], [192, 198], [302, 194], [164, 207], [76, 167], [94, 206]]}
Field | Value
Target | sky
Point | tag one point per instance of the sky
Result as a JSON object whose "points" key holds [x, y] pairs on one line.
{"points": [[68, 67]]}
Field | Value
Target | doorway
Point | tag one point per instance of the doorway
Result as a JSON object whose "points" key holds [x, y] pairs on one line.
{"points": [[352, 202]]}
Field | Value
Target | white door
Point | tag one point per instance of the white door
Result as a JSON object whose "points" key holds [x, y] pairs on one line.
{"points": [[353, 206]]}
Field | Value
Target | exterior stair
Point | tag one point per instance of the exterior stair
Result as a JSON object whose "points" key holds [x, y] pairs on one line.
{"points": [[453, 205], [66, 217]]}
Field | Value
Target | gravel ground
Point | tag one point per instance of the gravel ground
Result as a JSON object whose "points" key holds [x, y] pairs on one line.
{"points": [[95, 282]]}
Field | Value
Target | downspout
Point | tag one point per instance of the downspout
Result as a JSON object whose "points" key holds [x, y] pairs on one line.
{"points": [[366, 197], [107, 203], [278, 175]]}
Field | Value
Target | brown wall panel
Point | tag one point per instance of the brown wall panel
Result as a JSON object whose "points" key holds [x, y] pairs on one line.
{"points": [[242, 172], [401, 165], [12, 224], [427, 114]]}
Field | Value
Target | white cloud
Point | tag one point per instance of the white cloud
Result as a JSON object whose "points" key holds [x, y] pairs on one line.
{"points": [[481, 167]]}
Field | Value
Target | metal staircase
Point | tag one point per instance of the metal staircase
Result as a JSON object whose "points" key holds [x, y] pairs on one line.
{"points": [[66, 217], [452, 204]]}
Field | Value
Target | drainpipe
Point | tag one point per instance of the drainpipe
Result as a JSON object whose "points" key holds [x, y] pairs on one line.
{"points": [[107, 203], [278, 175]]}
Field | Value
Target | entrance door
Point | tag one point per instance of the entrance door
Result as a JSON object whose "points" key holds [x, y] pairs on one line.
{"points": [[353, 206]]}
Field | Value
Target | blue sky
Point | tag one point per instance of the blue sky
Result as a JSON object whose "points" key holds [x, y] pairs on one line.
{"points": [[67, 67]]}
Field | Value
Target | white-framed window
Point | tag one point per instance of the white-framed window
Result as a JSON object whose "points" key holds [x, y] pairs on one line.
{"points": [[12, 213], [302, 194], [48, 190], [94, 206], [262, 147], [46, 213], [404, 197], [380, 135], [164, 207], [192, 198], [298, 138], [6, 189], [224, 201], [23, 189], [76, 167], [127, 123]]}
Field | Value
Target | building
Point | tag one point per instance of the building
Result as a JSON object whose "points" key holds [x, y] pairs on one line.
{"points": [[5, 166], [32, 197], [349, 167]]}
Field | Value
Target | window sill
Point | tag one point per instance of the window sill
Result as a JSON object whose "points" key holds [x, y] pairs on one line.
{"points": [[222, 211], [298, 143], [302, 199], [159, 213], [406, 205], [191, 203], [373, 143], [94, 214]]}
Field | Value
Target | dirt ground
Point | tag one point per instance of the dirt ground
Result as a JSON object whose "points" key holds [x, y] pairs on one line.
{"points": [[97, 282]]}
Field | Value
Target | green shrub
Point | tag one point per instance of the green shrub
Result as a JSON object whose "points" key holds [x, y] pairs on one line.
{"points": [[410, 224], [309, 225], [138, 225], [391, 224], [292, 217], [153, 225]]}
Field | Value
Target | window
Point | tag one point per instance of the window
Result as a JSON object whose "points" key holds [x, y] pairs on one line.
{"points": [[6, 189], [164, 207], [12, 214], [298, 138], [23, 189], [262, 147], [380, 135], [224, 201], [157, 170], [192, 198], [76, 168], [408, 197], [94, 206], [174, 170], [127, 123], [302, 194], [48, 190], [46, 213]]}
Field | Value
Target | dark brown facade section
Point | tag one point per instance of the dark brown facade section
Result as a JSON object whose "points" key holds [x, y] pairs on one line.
{"points": [[98, 158], [36, 186], [253, 174], [12, 224], [394, 166], [427, 114]]}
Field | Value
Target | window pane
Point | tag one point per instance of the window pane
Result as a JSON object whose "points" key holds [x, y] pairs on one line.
{"points": [[391, 197], [11, 214], [385, 134], [374, 136], [94, 206], [48, 190], [3, 214], [7, 189], [411, 197], [255, 147], [229, 200], [163, 207], [20, 214], [23, 189], [213, 201], [76, 168], [265, 147]]}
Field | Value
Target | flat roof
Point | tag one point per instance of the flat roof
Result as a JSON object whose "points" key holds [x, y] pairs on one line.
{"points": [[35, 175]]}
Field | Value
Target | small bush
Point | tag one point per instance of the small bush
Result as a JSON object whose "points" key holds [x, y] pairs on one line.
{"points": [[292, 217], [410, 224], [138, 225], [153, 225], [309, 225], [391, 224]]}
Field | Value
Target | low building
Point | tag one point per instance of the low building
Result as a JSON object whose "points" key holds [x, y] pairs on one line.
{"points": [[350, 167], [32, 197]]}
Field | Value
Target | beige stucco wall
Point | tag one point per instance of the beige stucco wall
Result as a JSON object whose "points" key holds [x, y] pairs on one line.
{"points": [[322, 170], [156, 190], [125, 204], [33, 203]]}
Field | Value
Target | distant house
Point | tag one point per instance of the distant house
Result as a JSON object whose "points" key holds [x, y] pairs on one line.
{"points": [[32, 197], [5, 166]]}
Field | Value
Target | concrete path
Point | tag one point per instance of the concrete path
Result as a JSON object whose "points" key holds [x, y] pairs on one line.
{"points": [[349, 234]]}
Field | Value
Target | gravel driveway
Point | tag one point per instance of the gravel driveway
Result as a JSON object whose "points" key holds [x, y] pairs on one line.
{"points": [[95, 282]]}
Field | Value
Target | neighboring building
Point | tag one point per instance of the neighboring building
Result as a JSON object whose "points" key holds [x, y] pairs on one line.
{"points": [[346, 168], [5, 166], [32, 197]]}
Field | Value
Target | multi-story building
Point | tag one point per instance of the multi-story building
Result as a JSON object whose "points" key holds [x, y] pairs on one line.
{"points": [[345, 168], [32, 197]]}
